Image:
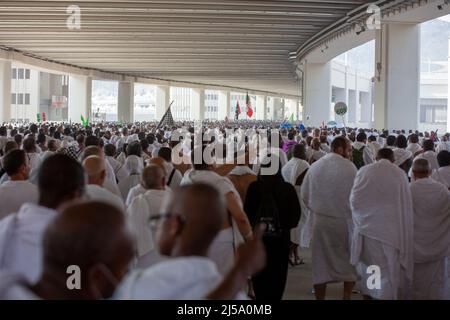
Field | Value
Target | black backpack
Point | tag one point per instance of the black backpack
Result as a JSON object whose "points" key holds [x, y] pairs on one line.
{"points": [[268, 214]]}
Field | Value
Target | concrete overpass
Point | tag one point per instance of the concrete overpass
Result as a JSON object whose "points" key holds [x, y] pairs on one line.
{"points": [[268, 48]]}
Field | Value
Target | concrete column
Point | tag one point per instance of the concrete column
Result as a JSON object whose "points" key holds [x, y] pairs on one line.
{"points": [[366, 108], [276, 108], [270, 108], [346, 98], [162, 101], [397, 89], [5, 90], [198, 103], [261, 108], [224, 105], [125, 105], [317, 93], [80, 97], [352, 105]]}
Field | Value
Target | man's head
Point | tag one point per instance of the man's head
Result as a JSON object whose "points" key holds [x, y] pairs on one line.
{"points": [[60, 179], [16, 165], [134, 149], [92, 236], [443, 158], [299, 151], [315, 144], [95, 170], [153, 177], [401, 142], [29, 145], [428, 145], [421, 169], [10, 145], [191, 221], [387, 154], [92, 151], [110, 150], [414, 138], [92, 141], [80, 140], [316, 133], [160, 162], [18, 139], [165, 153], [52, 146], [390, 141], [361, 137], [342, 147]]}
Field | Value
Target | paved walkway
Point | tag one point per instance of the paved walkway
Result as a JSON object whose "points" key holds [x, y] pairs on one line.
{"points": [[299, 283]]}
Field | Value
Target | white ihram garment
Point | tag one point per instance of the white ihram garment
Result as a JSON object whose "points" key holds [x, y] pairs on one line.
{"points": [[139, 212], [383, 228], [291, 171], [13, 194], [431, 203], [325, 192], [21, 240], [181, 278]]}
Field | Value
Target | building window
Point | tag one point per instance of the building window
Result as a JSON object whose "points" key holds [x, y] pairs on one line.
{"points": [[20, 98], [14, 73], [433, 111], [21, 74], [27, 98], [13, 98], [27, 73]]}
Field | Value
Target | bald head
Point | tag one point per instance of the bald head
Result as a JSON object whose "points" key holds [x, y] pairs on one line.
{"points": [[153, 177], [92, 151], [421, 169], [200, 212], [92, 236], [159, 162], [94, 166]]}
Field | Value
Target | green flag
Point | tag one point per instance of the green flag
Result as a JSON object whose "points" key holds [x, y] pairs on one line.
{"points": [[38, 116], [84, 122], [291, 118]]}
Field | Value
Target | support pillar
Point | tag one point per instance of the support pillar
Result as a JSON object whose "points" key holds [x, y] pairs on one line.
{"points": [[162, 101], [80, 97], [397, 74], [224, 105], [317, 93], [198, 103], [5, 90], [125, 105], [276, 109], [261, 108]]}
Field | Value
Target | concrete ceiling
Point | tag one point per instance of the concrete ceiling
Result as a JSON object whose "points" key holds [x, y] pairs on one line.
{"points": [[228, 42]]}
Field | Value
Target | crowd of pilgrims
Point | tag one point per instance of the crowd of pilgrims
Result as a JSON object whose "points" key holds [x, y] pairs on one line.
{"points": [[373, 207]]}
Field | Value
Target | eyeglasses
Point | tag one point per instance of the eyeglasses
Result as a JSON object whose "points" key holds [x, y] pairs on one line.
{"points": [[154, 221]]}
